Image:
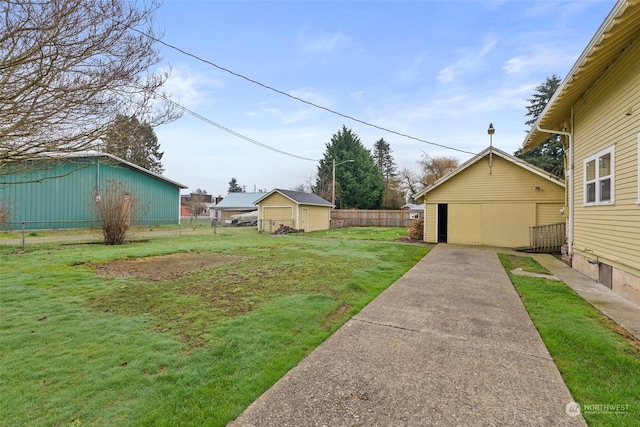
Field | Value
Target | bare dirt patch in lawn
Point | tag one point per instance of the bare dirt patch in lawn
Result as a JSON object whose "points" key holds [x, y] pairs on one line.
{"points": [[165, 267]]}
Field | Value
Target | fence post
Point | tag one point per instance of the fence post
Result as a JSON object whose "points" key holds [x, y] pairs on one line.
{"points": [[23, 229]]}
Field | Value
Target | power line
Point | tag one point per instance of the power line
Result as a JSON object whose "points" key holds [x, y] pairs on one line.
{"points": [[346, 116], [226, 129]]}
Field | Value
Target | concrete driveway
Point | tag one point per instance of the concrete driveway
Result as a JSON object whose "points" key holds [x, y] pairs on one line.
{"points": [[448, 344]]}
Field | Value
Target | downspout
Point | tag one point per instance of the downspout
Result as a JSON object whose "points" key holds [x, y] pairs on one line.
{"points": [[570, 178]]}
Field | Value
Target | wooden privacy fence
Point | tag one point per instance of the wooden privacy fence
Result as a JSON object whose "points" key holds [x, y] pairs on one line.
{"points": [[547, 238], [370, 218]]}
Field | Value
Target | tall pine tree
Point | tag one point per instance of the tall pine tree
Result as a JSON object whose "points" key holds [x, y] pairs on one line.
{"points": [[384, 159], [234, 187], [359, 183], [392, 197], [550, 154], [134, 142]]}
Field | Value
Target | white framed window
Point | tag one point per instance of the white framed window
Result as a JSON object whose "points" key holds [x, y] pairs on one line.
{"points": [[414, 215], [598, 178]]}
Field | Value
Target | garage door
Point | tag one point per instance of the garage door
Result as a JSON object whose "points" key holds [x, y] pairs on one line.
{"points": [[273, 217], [491, 224]]}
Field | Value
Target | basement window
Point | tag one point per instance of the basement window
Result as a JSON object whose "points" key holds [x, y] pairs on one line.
{"points": [[598, 178]]}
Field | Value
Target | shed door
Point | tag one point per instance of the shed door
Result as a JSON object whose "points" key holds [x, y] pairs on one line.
{"points": [[304, 221]]}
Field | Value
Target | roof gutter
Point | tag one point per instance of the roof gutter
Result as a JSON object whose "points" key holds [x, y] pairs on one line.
{"points": [[569, 176], [618, 9]]}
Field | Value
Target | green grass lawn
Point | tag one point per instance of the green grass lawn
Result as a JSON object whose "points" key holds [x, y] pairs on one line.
{"points": [[79, 348], [362, 233], [599, 365], [186, 224]]}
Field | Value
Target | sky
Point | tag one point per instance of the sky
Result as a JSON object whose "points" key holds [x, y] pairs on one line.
{"points": [[438, 71]]}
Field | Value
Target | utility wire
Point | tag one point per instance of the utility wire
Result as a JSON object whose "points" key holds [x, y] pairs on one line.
{"points": [[232, 132], [346, 116]]}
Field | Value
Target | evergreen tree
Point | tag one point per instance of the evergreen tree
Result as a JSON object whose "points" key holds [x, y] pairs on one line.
{"points": [[134, 142], [234, 187], [392, 197], [384, 159], [359, 183], [550, 154]]}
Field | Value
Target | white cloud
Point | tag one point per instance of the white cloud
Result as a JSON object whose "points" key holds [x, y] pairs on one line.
{"points": [[311, 96], [469, 60], [190, 88], [412, 71], [358, 95], [320, 43], [538, 57], [292, 111]]}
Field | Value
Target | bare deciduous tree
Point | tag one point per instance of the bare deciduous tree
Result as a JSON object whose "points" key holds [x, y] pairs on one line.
{"points": [[410, 183], [116, 208], [303, 188], [68, 68], [434, 168], [393, 196], [196, 203]]}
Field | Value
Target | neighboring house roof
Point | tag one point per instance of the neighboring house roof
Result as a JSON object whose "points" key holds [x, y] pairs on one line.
{"points": [[238, 201], [204, 198], [111, 158], [299, 197], [618, 31], [496, 152], [413, 207]]}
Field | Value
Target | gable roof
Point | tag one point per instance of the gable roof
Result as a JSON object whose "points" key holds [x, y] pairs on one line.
{"points": [[238, 201], [299, 197], [113, 159], [618, 31], [484, 153]]}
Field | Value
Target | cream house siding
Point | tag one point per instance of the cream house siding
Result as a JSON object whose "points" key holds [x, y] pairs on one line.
{"points": [[611, 232], [430, 222], [493, 207], [598, 104]]}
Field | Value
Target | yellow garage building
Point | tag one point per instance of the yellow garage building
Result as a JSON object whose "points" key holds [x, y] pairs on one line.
{"points": [[493, 199], [295, 209]]}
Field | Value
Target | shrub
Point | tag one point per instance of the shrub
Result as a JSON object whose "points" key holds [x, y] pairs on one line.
{"points": [[115, 208], [416, 230]]}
